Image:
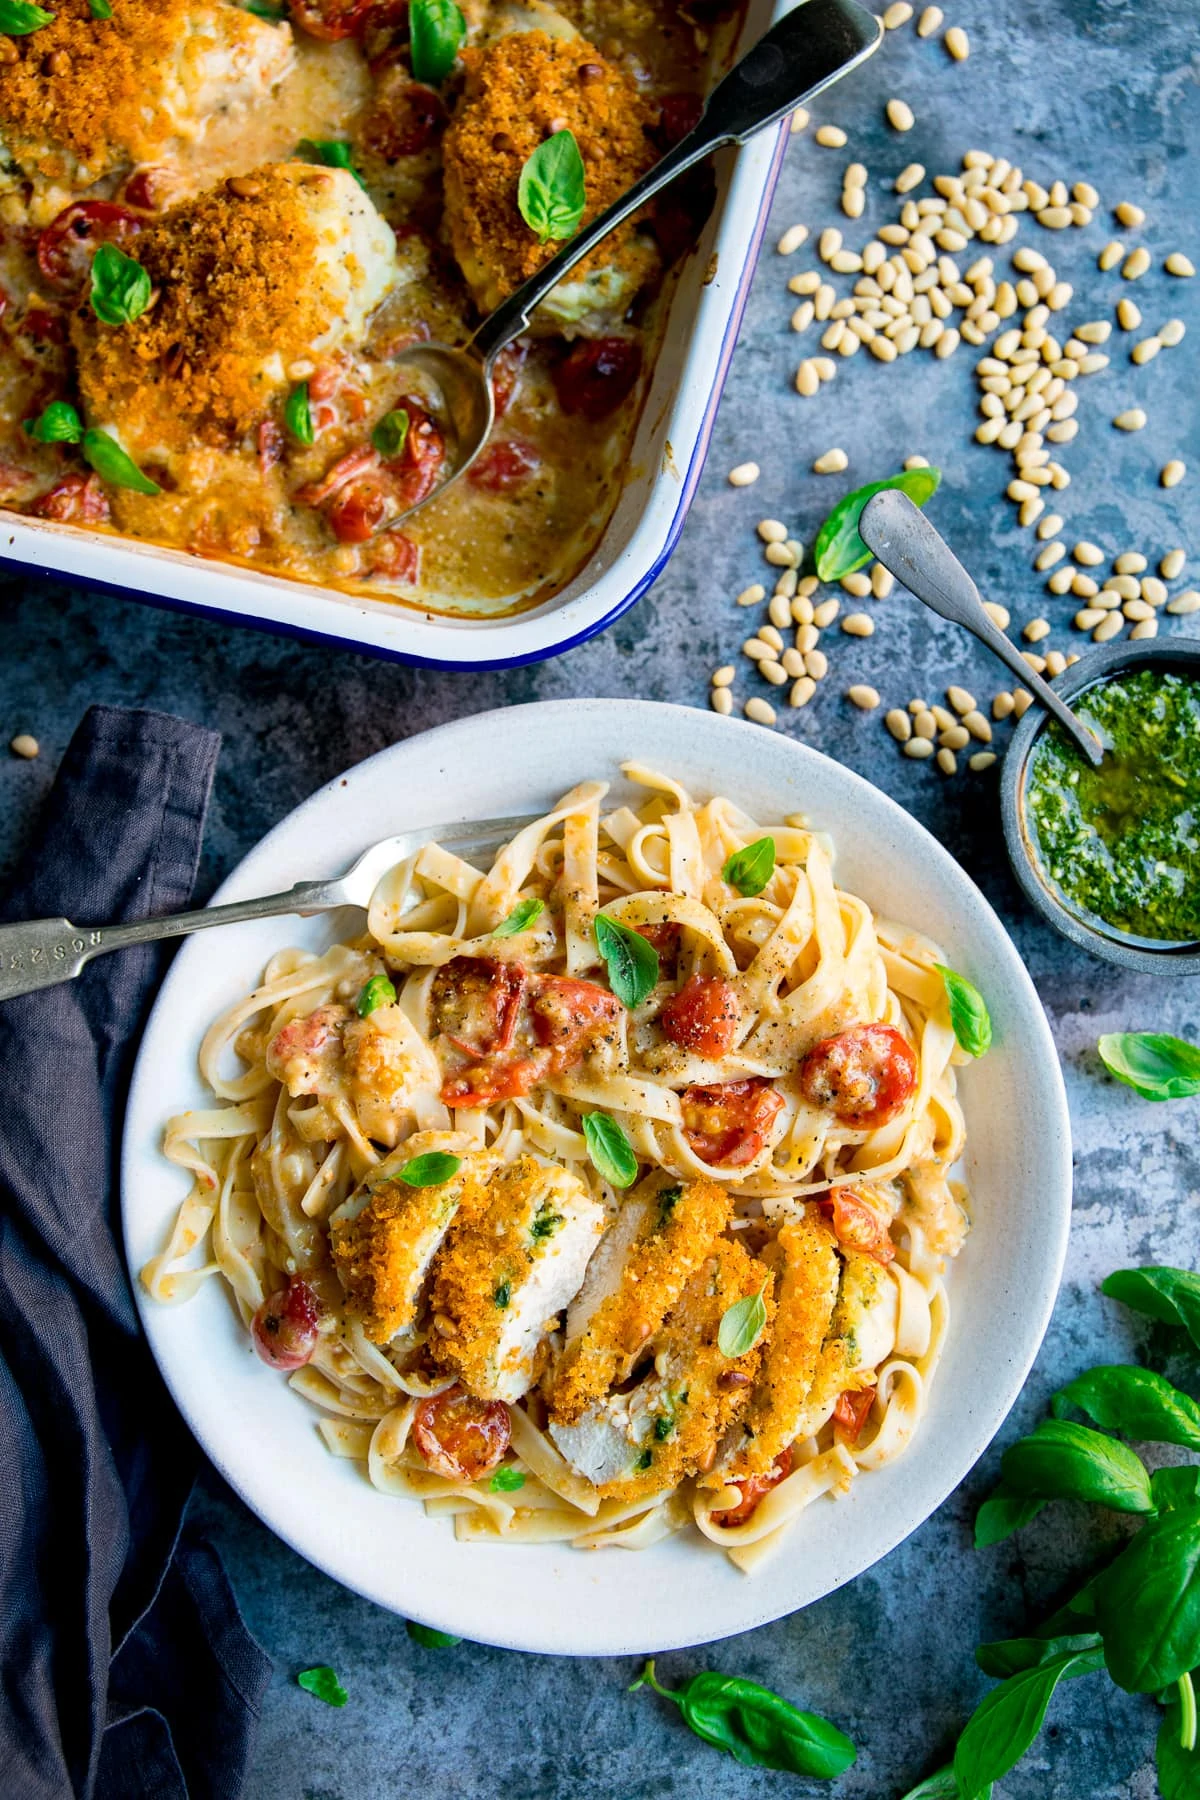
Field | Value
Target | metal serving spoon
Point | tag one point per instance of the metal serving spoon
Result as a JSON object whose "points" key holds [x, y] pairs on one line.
{"points": [[905, 542], [802, 54], [40, 953]]}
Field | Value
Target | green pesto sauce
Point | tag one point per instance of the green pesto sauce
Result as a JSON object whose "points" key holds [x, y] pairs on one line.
{"points": [[1121, 843]]}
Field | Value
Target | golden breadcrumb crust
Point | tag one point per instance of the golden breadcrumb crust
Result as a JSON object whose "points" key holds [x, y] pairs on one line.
{"points": [[378, 1255], [520, 91], [232, 271], [672, 1241], [715, 1387]]}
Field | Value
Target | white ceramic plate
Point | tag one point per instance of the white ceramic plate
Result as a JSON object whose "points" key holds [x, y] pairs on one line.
{"points": [[262, 1436]]}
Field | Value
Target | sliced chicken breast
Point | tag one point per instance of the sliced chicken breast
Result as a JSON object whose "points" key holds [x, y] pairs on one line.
{"points": [[862, 1334]]}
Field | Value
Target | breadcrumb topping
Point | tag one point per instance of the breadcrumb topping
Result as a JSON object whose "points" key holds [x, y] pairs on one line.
{"points": [[380, 1255]]}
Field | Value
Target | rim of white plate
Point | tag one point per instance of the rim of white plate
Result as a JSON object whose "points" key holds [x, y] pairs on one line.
{"points": [[551, 1598]]}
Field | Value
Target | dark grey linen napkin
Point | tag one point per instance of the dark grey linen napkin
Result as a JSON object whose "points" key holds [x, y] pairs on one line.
{"points": [[125, 1667]]}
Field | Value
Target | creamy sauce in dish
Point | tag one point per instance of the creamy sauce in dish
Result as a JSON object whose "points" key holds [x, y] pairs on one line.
{"points": [[285, 277]]}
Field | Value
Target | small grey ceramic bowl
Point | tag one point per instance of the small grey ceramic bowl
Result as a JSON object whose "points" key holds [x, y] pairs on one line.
{"points": [[1179, 655]]}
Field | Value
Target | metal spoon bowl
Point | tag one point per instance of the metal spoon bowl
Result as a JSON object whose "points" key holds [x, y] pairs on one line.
{"points": [[803, 53]]}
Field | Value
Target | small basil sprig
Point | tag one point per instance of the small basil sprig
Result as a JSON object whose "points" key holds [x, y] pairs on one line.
{"points": [[57, 423], [297, 414], [429, 1638], [968, 1012], [742, 1324], [631, 960], [756, 1726], [430, 1170], [332, 153], [750, 868], [1002, 1513], [437, 32], [839, 549], [1063, 1461], [507, 1481], [1155, 1065], [1136, 1402], [120, 286], [379, 991], [1148, 1603], [324, 1684], [100, 9], [1169, 1295], [610, 1150], [391, 433], [552, 191], [940, 1786], [1007, 1720], [105, 455], [19, 17], [523, 915]]}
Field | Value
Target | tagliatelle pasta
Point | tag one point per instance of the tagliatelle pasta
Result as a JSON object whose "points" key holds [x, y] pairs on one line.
{"points": [[593, 1237]]}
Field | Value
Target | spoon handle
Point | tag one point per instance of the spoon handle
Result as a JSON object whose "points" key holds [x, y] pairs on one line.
{"points": [[905, 542], [806, 50]]}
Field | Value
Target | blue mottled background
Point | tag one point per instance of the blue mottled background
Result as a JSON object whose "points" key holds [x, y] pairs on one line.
{"points": [[1102, 90]]}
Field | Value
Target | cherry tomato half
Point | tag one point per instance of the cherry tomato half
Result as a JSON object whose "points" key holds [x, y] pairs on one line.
{"points": [[852, 1412], [596, 375], [703, 1016], [284, 1328], [504, 466], [66, 247], [460, 1437], [864, 1076], [77, 499], [753, 1489], [729, 1124]]}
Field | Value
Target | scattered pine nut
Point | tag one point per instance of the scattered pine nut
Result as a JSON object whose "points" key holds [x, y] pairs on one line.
{"points": [[855, 176], [1126, 585], [1110, 626], [947, 762], [1002, 704], [807, 379], [1146, 350], [744, 475], [816, 664], [1129, 315], [859, 625], [752, 595], [978, 726], [780, 557], [853, 205], [1171, 566], [807, 638], [1178, 264], [918, 748], [999, 615], [982, 759], [799, 119], [1153, 590], [1083, 586], [1185, 603], [899, 724], [1095, 331], [1145, 628], [792, 662], [771, 531], [1022, 701], [897, 14], [830, 137], [759, 712], [857, 584], [1138, 610], [832, 462], [802, 692], [883, 581], [1036, 663], [779, 611], [1090, 555], [769, 635], [825, 613], [910, 178], [793, 237], [1036, 630], [722, 677], [25, 745], [863, 696], [807, 282], [1172, 473], [721, 701], [773, 672], [1126, 213], [929, 21], [1136, 263], [957, 43], [1132, 420], [925, 725], [900, 115], [1087, 617], [1172, 333], [802, 318], [1060, 581], [1130, 562], [1050, 526], [757, 649], [961, 700], [1049, 555], [942, 718], [1111, 254]]}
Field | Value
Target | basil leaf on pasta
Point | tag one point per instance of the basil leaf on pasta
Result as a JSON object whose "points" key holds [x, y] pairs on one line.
{"points": [[552, 191], [742, 1324], [631, 960], [297, 415], [120, 286], [376, 992], [437, 32], [610, 1150], [430, 1170], [522, 916], [323, 1684], [57, 423], [749, 869], [968, 1012], [507, 1481], [105, 455]]}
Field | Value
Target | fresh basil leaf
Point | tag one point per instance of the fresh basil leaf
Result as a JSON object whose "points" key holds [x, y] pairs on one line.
{"points": [[391, 433], [552, 191], [755, 1726], [1156, 1066], [507, 1481], [324, 1684], [1002, 1513], [940, 1786], [430, 1170], [428, 1638], [839, 549], [105, 455], [376, 992], [1178, 1769], [749, 869], [1008, 1656], [18, 18], [631, 960], [1170, 1295], [522, 916], [968, 1012], [297, 414], [610, 1150], [332, 153], [742, 1324], [1063, 1461], [1172, 1488], [502, 1295], [1148, 1604], [100, 9], [437, 32], [120, 286], [57, 423], [262, 9], [1007, 1720], [1134, 1401]]}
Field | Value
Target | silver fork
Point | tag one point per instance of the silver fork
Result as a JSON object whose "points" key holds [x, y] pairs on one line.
{"points": [[39, 953]]}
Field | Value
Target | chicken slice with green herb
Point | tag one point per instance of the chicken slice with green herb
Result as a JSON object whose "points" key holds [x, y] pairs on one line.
{"points": [[515, 1256], [862, 1334], [635, 1444], [663, 1233]]}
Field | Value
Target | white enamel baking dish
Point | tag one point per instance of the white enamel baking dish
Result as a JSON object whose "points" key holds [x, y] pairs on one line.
{"points": [[667, 457]]}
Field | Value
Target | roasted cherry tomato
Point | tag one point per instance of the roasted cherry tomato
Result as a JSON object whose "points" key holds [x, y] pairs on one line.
{"points": [[678, 114], [460, 1437], [405, 117], [596, 375], [151, 188], [476, 1001], [284, 1328], [864, 1076], [77, 499], [66, 247], [753, 1489], [569, 1014], [665, 938], [504, 466], [703, 1016], [358, 510], [506, 373], [858, 1226], [41, 326], [852, 1412], [729, 1124], [414, 473], [394, 556]]}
